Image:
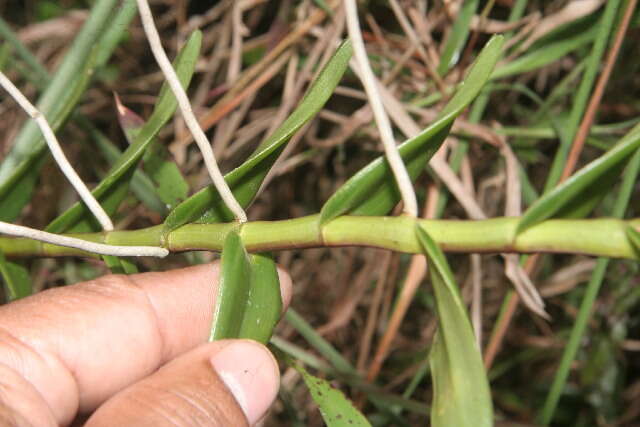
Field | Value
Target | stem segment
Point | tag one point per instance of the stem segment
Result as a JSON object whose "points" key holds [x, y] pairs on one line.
{"points": [[598, 237]]}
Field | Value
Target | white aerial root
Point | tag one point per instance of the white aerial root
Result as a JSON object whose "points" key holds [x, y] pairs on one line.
{"points": [[187, 113], [98, 248], [58, 154], [382, 120]]}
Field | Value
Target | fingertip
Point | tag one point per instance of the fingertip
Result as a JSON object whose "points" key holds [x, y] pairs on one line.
{"points": [[286, 287], [251, 374], [227, 382]]}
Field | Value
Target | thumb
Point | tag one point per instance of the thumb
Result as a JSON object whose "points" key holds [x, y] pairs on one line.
{"points": [[228, 382]]}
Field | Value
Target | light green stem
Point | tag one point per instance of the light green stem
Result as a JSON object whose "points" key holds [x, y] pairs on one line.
{"points": [[598, 237]]}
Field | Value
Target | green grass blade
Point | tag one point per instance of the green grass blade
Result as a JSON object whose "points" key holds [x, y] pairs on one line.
{"points": [[19, 194], [40, 73], [545, 54], [233, 290], [457, 37], [114, 186], [264, 303], [29, 140], [461, 391], [16, 190], [117, 31], [559, 197], [335, 408], [206, 205], [372, 191], [634, 238], [320, 344], [604, 28], [17, 283], [591, 293], [60, 98]]}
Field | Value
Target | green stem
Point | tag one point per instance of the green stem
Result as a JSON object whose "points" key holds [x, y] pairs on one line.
{"points": [[599, 237]]}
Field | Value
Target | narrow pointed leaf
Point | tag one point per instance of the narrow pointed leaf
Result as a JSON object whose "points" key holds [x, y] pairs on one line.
{"points": [[335, 408], [19, 194], [461, 390], [141, 185], [207, 207], [559, 197], [91, 48], [170, 186], [545, 54], [17, 185], [233, 290], [15, 276], [634, 237], [114, 187], [264, 303], [457, 38], [53, 102], [586, 201], [372, 191], [119, 265]]}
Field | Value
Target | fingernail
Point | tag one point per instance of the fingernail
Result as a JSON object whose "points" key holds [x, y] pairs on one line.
{"points": [[251, 373]]}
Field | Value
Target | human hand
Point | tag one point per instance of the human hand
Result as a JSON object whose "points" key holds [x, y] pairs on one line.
{"points": [[133, 350]]}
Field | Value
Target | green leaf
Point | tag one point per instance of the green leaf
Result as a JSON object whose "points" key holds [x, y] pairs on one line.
{"points": [[544, 55], [171, 187], [461, 391], [372, 191], [586, 201], [457, 37], [335, 408], [141, 185], [119, 265], [20, 168], [264, 303], [249, 303], [114, 187], [16, 279], [634, 237], [12, 39], [207, 207], [19, 195], [549, 49], [233, 290], [17, 184], [605, 26], [565, 193]]}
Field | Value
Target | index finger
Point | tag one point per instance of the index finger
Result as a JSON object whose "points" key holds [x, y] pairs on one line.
{"points": [[80, 344]]}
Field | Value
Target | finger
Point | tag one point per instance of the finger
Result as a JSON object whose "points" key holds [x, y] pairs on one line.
{"points": [[18, 397], [80, 344], [225, 383]]}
